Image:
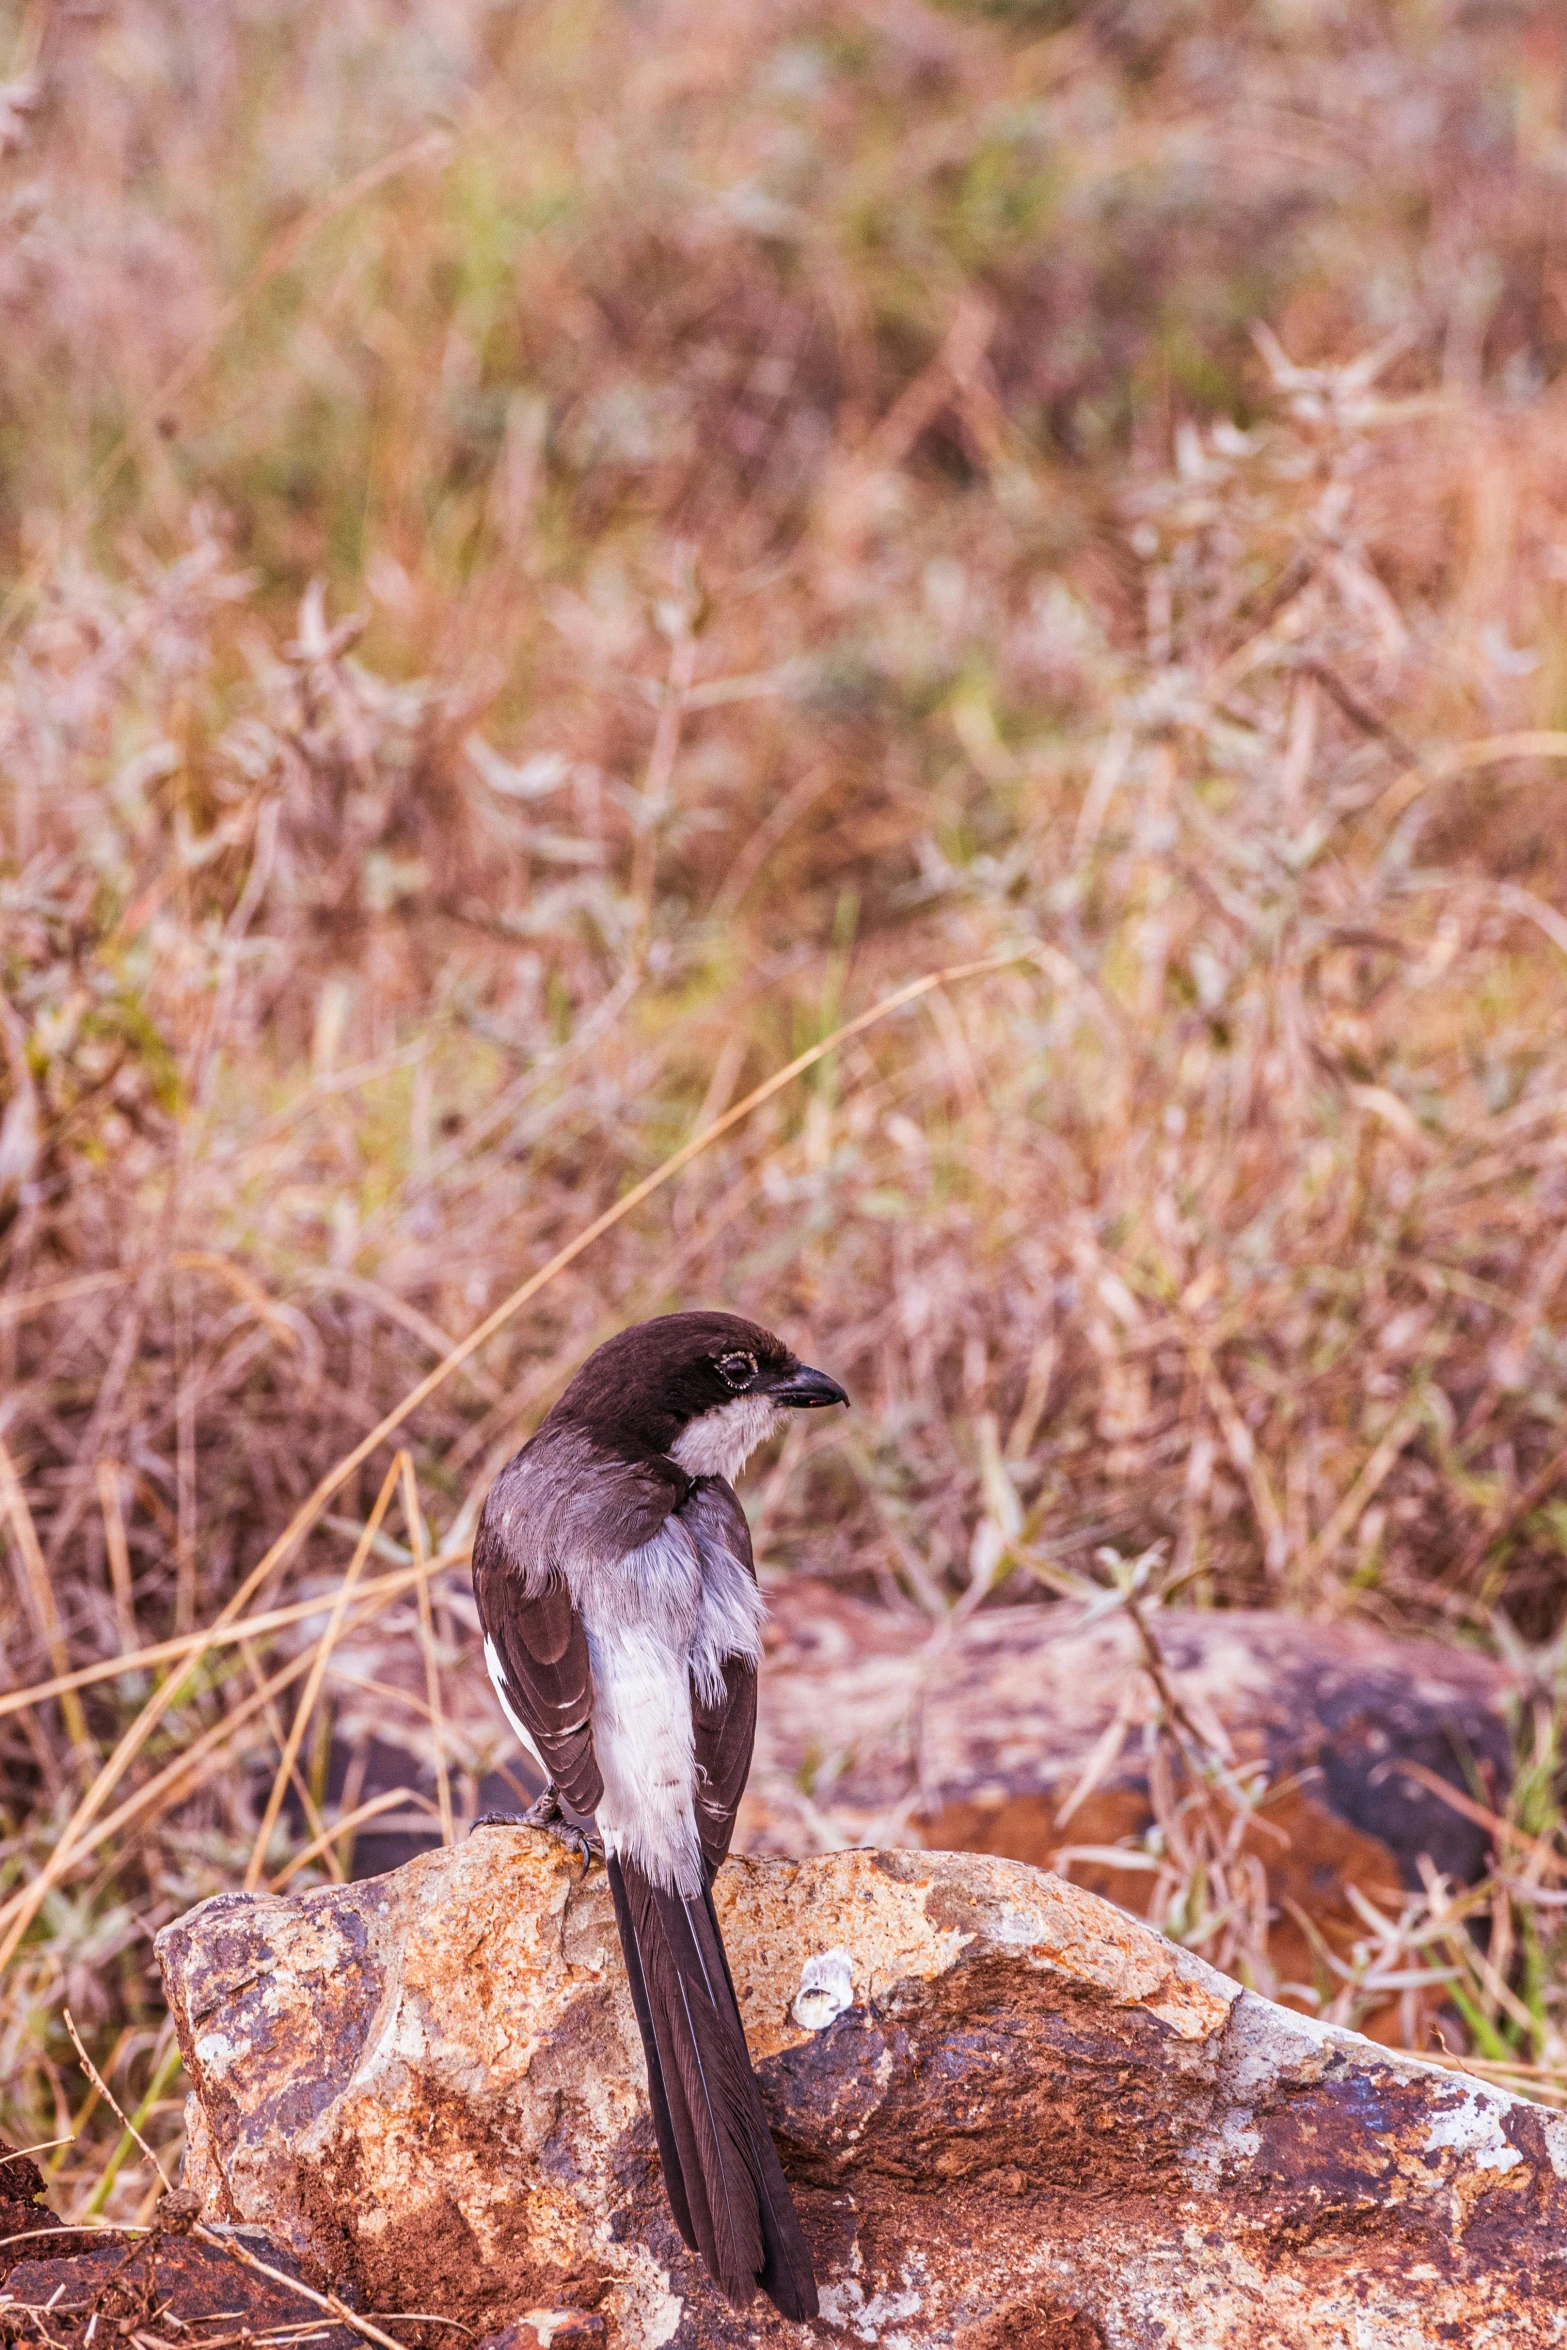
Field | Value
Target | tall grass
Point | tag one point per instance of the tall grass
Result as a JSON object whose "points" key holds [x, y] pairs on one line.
{"points": [[553, 557]]}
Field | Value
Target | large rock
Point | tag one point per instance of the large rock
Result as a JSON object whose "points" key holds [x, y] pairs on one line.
{"points": [[877, 1729], [1015, 2117]]}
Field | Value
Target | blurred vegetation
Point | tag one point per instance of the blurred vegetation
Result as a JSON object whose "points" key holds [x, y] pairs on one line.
{"points": [[553, 553]]}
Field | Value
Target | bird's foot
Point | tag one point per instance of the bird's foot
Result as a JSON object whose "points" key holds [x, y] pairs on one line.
{"points": [[581, 1841], [545, 1812]]}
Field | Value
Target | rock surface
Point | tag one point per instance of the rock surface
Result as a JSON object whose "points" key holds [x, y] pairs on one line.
{"points": [[108, 2287], [874, 1731], [1035, 2125], [26, 2223]]}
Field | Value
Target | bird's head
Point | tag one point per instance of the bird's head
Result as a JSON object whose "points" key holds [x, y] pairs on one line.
{"points": [[704, 1388]]}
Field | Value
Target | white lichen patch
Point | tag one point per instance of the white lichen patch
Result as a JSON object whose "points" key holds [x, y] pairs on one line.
{"points": [[1223, 2149], [1472, 2128], [640, 2304], [846, 2305]]}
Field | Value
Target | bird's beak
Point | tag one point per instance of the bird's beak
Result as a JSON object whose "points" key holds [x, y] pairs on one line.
{"points": [[806, 1390]]}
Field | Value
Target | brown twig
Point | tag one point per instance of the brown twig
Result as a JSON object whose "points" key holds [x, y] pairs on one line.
{"points": [[113, 2103]]}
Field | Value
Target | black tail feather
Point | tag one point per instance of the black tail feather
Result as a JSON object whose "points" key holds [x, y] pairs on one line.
{"points": [[788, 2279], [663, 2123], [726, 2186]]}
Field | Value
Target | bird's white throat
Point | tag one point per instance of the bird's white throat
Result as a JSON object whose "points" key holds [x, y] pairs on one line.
{"points": [[721, 1441]]}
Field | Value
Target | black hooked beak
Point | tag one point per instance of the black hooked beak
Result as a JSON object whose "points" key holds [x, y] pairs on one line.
{"points": [[805, 1390]]}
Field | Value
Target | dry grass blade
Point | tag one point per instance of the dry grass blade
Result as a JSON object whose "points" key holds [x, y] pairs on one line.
{"points": [[321, 1657], [109, 1475], [1243, 1452], [189, 1769], [1547, 1855], [1102, 1757], [1353, 1505], [109, 2098], [344, 1825], [432, 1672], [186, 1646], [328, 2301], [38, 1595]]}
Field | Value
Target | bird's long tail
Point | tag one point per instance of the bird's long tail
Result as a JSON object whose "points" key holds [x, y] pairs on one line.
{"points": [[726, 2187]]}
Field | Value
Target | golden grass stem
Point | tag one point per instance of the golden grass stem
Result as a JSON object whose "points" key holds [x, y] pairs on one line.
{"points": [[320, 1659], [432, 1674], [119, 1554], [370, 1809], [1243, 1454], [18, 1913], [309, 1809], [219, 1635], [37, 1594], [1357, 1499]]}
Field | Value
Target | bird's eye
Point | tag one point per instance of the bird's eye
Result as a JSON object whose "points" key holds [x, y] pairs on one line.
{"points": [[737, 1370]]}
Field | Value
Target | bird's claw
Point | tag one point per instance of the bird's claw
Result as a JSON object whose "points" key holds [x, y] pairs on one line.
{"points": [[578, 1840], [545, 1813]]}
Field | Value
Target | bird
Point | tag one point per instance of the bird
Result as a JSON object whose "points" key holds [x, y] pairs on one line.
{"points": [[622, 1626]]}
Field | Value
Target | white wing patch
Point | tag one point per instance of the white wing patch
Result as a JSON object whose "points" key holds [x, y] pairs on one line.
{"points": [[497, 1673]]}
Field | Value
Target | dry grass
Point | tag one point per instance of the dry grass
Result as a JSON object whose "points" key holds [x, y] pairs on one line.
{"points": [[552, 558]]}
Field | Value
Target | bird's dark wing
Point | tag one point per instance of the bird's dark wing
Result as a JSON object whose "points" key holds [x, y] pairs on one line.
{"points": [[725, 1735], [726, 1726], [538, 1658], [553, 1498]]}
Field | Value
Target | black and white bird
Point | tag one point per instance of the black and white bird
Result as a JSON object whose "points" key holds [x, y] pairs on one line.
{"points": [[622, 1630]]}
